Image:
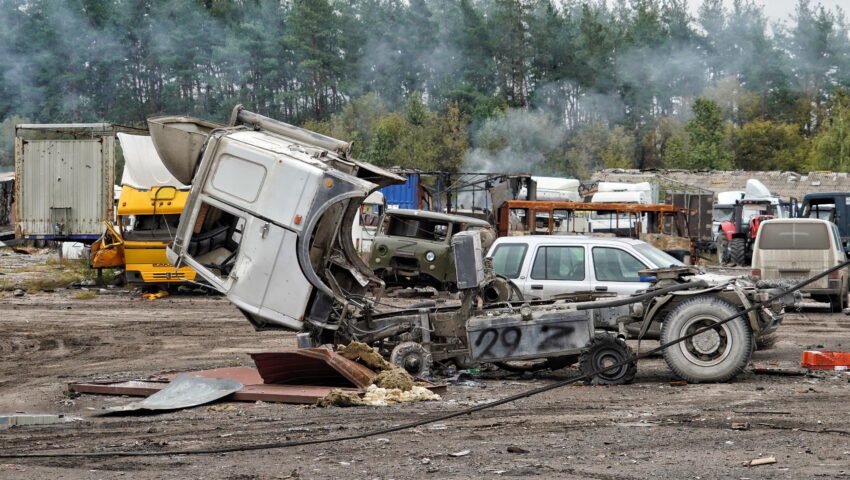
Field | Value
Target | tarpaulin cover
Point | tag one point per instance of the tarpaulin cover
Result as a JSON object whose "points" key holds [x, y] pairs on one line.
{"points": [[143, 168]]}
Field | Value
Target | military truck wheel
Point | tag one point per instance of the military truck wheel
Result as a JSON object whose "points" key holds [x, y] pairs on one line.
{"points": [[738, 252], [715, 355], [412, 357], [604, 351]]}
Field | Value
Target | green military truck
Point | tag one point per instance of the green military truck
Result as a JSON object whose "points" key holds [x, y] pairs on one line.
{"points": [[413, 247]]}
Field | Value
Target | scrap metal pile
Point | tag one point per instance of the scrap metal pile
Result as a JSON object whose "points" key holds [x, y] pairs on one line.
{"points": [[268, 223]]}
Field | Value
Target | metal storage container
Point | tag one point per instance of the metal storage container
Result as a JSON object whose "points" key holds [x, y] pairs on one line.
{"points": [[64, 180], [404, 196]]}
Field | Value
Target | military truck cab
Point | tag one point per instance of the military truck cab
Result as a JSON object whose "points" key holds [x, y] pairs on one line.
{"points": [[830, 206], [413, 247]]}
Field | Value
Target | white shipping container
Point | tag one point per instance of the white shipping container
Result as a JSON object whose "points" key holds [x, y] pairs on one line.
{"points": [[64, 187]]}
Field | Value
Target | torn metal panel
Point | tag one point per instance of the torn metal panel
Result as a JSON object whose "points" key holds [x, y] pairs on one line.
{"points": [[183, 392], [243, 375], [312, 366], [249, 393]]}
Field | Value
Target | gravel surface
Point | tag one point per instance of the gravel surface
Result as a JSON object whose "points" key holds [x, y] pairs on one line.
{"points": [[653, 428]]}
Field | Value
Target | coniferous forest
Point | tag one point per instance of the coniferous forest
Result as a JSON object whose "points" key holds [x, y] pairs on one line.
{"points": [[561, 87]]}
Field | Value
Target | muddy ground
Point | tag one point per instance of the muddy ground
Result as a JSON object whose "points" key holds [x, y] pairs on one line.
{"points": [[650, 429]]}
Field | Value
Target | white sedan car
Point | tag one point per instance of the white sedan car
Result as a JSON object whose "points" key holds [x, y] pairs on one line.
{"points": [[543, 266]]}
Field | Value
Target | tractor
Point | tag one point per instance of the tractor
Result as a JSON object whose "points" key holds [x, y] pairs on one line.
{"points": [[736, 237]]}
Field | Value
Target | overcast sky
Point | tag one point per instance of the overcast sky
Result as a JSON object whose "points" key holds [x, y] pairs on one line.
{"points": [[782, 9]]}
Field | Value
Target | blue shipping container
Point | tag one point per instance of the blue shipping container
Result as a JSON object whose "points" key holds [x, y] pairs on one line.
{"points": [[405, 195]]}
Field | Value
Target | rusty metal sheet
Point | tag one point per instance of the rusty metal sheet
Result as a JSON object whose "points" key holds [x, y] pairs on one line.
{"points": [[312, 366], [243, 375]]}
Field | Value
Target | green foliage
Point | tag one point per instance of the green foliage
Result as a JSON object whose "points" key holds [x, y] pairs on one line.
{"points": [[706, 136], [831, 147], [600, 147], [7, 141], [414, 83], [765, 145]]}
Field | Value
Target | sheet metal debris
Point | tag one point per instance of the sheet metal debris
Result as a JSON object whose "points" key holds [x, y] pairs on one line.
{"points": [[312, 366], [254, 387], [183, 392]]}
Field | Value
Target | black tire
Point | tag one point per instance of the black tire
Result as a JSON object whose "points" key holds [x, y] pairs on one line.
{"points": [[712, 356], [738, 252], [837, 303], [412, 357], [603, 351]]}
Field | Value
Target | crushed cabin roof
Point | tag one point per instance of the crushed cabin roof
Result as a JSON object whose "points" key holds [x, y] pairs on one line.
{"points": [[444, 217], [784, 184]]}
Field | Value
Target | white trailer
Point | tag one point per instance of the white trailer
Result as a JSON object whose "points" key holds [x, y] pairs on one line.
{"points": [[64, 180]]}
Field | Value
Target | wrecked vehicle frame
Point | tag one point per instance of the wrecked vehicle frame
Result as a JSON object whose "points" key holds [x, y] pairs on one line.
{"points": [[268, 223]]}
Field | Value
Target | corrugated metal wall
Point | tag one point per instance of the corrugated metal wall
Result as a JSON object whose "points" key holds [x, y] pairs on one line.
{"points": [[65, 182], [405, 195]]}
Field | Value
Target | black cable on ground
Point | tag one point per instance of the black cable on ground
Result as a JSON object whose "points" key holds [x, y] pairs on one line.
{"points": [[446, 416]]}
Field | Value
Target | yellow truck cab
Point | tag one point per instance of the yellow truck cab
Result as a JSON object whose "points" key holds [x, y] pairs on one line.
{"points": [[148, 220], [148, 213]]}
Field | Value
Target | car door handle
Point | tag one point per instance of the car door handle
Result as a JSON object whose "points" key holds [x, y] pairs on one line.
{"points": [[601, 289], [537, 287]]}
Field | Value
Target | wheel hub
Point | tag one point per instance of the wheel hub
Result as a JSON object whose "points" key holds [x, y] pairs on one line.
{"points": [[707, 342], [412, 363]]}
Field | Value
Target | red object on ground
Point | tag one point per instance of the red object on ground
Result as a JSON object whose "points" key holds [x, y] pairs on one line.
{"points": [[299, 376], [818, 360], [312, 366]]}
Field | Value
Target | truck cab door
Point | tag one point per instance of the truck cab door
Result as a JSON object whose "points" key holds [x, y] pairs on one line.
{"points": [[616, 270], [555, 269]]}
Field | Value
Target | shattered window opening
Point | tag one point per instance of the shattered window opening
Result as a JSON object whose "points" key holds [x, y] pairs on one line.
{"points": [[421, 228], [215, 239]]}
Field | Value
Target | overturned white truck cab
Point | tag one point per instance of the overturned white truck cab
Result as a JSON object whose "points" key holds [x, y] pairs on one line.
{"points": [[268, 223]]}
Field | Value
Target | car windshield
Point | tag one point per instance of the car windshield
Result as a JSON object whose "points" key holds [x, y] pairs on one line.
{"points": [[723, 214], [656, 256], [507, 259], [416, 227]]}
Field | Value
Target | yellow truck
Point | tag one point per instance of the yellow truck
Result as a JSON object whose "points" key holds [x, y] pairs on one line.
{"points": [[147, 219]]}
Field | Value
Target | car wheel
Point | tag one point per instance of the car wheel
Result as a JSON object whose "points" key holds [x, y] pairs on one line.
{"points": [[716, 355]]}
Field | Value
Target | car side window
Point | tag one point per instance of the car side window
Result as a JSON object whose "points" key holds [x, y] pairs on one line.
{"points": [[615, 265], [558, 263]]}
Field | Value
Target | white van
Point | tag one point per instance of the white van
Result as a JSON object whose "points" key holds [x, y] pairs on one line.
{"points": [[543, 266], [797, 248]]}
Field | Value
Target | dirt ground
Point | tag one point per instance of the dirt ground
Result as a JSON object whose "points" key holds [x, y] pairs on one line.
{"points": [[649, 429]]}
